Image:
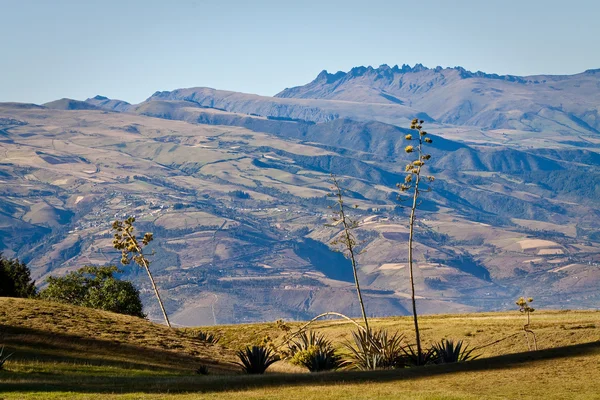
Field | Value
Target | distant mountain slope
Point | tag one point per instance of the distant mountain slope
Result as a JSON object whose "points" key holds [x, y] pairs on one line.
{"points": [[460, 97], [238, 204], [70, 104], [373, 137], [109, 104], [298, 109]]}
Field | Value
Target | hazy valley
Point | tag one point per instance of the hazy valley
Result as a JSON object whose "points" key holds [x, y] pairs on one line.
{"points": [[234, 187]]}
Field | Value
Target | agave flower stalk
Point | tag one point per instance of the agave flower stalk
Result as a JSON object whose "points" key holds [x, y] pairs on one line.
{"points": [[131, 250], [412, 181], [348, 241]]}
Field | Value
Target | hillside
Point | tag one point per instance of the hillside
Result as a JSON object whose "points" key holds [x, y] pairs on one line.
{"points": [[238, 204], [62, 351], [42, 331], [313, 110]]}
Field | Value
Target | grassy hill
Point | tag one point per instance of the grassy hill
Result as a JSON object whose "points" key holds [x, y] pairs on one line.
{"points": [[63, 351]]}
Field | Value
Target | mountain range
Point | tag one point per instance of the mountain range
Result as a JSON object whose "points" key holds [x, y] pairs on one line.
{"points": [[234, 187]]}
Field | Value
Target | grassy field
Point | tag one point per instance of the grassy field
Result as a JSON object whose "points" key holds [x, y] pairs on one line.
{"points": [[71, 352]]}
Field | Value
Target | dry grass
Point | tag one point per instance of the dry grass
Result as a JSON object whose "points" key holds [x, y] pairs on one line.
{"points": [[38, 331], [71, 352], [552, 328]]}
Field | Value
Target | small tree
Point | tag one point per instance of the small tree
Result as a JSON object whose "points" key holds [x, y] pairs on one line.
{"points": [[348, 241], [95, 287], [15, 279], [413, 182], [131, 250], [525, 308]]}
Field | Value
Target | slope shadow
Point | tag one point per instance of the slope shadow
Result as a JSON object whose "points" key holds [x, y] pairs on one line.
{"points": [[331, 263], [39, 345], [94, 384]]}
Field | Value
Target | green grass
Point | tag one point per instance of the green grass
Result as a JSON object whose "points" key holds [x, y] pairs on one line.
{"points": [[106, 355]]}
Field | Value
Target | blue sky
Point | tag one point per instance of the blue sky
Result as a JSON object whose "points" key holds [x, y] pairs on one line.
{"points": [[130, 49]]}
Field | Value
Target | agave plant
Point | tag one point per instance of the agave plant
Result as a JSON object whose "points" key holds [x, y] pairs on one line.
{"points": [[376, 350], [447, 351], [3, 358], [317, 360], [390, 348], [413, 358], [207, 337], [256, 359], [306, 340], [313, 351]]}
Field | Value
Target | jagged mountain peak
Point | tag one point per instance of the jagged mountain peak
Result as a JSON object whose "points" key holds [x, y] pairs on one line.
{"points": [[457, 96], [385, 71]]}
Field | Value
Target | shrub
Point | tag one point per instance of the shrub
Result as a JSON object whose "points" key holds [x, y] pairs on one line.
{"points": [[314, 352], [207, 337], [256, 359], [95, 287], [202, 370], [240, 194], [15, 279], [379, 350], [447, 351]]}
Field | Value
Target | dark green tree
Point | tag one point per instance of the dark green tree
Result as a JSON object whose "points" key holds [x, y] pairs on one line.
{"points": [[15, 279], [95, 287]]}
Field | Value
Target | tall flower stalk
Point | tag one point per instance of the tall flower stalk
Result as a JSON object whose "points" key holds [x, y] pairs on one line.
{"points": [[413, 183], [348, 241], [132, 250]]}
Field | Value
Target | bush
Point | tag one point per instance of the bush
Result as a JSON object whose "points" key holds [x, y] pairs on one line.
{"points": [[314, 352], [378, 350], [239, 194], [202, 370], [15, 279], [447, 351], [207, 337], [95, 287], [256, 359]]}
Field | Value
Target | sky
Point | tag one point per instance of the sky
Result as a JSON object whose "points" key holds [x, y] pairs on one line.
{"points": [[128, 49]]}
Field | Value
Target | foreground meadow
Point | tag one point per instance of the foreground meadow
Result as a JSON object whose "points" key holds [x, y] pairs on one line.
{"points": [[71, 352]]}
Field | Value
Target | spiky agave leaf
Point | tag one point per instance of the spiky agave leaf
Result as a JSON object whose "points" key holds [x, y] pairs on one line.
{"points": [[256, 359], [390, 348], [375, 350], [412, 358], [323, 360], [305, 340], [448, 351]]}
